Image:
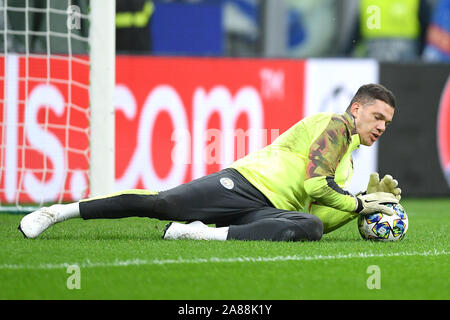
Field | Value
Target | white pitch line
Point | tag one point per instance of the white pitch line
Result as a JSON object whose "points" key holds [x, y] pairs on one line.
{"points": [[141, 262]]}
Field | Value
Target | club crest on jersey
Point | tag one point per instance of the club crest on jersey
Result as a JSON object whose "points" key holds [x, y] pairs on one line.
{"points": [[227, 183]]}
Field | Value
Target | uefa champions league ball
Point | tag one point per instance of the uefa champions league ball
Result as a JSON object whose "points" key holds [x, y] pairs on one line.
{"points": [[381, 227]]}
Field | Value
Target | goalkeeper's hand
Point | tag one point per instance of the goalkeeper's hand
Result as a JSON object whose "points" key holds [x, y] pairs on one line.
{"points": [[387, 184], [375, 202]]}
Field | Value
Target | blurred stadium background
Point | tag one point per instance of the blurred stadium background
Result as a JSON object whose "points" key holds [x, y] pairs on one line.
{"points": [[200, 83]]}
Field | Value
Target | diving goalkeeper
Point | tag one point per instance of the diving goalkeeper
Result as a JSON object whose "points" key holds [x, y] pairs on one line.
{"points": [[291, 190]]}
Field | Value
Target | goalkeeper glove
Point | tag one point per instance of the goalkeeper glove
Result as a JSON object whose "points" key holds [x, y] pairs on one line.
{"points": [[387, 184], [375, 202]]}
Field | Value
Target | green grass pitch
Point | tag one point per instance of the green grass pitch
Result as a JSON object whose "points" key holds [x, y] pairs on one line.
{"points": [[127, 259]]}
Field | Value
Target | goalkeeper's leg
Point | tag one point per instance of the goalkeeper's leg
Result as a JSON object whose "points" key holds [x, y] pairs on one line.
{"points": [[262, 224], [212, 199], [225, 198], [241, 211], [276, 225]]}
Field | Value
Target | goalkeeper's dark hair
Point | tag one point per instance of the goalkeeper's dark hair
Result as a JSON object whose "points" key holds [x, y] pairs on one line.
{"points": [[370, 92]]}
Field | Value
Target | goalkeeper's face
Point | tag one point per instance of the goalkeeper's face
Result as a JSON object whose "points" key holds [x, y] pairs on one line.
{"points": [[371, 120]]}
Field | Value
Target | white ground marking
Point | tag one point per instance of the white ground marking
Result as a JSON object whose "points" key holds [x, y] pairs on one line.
{"points": [[243, 259]]}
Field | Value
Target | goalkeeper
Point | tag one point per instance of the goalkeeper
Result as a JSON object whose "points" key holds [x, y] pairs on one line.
{"points": [[291, 190]]}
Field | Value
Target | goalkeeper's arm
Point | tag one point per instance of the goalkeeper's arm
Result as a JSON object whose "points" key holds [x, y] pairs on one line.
{"points": [[326, 191], [325, 153]]}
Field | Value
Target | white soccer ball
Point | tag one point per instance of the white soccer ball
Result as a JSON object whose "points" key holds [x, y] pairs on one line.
{"points": [[378, 226]]}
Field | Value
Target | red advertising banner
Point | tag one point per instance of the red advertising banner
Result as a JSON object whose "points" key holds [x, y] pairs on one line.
{"points": [[181, 118], [176, 119], [43, 128], [443, 132]]}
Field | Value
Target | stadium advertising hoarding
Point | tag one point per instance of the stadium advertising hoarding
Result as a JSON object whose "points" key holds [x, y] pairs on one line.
{"points": [[185, 118], [416, 147], [181, 118], [443, 131], [176, 119], [43, 129]]}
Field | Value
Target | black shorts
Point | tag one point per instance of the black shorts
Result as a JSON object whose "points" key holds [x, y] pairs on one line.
{"points": [[221, 198], [224, 198]]}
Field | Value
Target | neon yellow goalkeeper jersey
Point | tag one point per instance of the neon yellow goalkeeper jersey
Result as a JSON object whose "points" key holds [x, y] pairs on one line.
{"points": [[310, 162]]}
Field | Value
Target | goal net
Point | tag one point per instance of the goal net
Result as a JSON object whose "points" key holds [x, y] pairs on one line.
{"points": [[50, 119]]}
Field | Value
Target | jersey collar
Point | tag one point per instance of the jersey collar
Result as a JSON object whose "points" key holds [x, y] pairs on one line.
{"points": [[350, 121]]}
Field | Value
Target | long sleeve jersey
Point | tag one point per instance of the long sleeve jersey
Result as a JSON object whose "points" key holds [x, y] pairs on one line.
{"points": [[309, 163]]}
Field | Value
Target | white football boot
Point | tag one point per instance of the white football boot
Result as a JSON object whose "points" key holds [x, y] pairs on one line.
{"points": [[196, 230], [193, 230], [198, 224], [38, 221]]}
